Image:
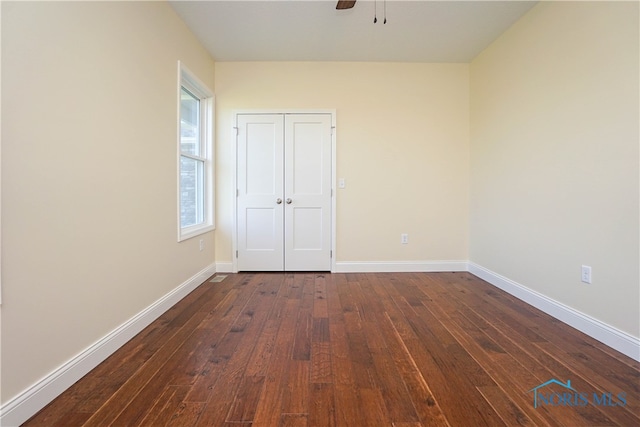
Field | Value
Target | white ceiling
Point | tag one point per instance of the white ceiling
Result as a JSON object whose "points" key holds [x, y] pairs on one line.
{"points": [[313, 30]]}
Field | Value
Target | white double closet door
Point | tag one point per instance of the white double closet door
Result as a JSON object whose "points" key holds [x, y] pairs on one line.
{"points": [[284, 192]]}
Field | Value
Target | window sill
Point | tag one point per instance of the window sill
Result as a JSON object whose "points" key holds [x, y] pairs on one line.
{"points": [[191, 232]]}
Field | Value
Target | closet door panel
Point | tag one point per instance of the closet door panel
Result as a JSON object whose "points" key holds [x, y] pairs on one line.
{"points": [[260, 207], [308, 192]]}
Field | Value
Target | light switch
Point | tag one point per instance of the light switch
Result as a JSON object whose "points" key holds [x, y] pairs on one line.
{"points": [[341, 183]]}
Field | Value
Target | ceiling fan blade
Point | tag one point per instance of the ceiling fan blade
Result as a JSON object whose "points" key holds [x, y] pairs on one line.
{"points": [[345, 4]]}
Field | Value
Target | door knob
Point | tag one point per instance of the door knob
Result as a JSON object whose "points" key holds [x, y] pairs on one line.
{"points": [[279, 200], [289, 201]]}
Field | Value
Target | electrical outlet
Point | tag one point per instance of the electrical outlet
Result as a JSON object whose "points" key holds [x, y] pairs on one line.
{"points": [[201, 244], [586, 274], [404, 239]]}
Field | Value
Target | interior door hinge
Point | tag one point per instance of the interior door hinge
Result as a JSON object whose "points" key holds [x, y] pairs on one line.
{"points": [[237, 192], [236, 254], [333, 129], [330, 254], [237, 130]]}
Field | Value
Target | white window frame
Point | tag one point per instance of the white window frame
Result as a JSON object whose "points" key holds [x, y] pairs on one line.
{"points": [[191, 83]]}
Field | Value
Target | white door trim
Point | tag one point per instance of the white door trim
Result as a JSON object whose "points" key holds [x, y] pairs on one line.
{"points": [[234, 234]]}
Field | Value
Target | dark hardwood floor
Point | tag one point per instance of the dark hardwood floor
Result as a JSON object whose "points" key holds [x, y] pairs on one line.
{"points": [[319, 349]]}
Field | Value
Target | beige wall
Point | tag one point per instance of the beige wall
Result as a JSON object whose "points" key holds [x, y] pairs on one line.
{"points": [[89, 125], [402, 148], [554, 157]]}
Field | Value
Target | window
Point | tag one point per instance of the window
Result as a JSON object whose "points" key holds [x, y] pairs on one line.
{"points": [[195, 151]]}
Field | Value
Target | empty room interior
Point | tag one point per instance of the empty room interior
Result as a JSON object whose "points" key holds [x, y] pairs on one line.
{"points": [[280, 213]]}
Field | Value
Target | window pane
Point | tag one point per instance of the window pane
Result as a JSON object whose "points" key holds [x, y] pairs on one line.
{"points": [[191, 192], [189, 123]]}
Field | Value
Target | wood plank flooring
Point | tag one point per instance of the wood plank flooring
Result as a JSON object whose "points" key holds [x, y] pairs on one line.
{"points": [[320, 349]]}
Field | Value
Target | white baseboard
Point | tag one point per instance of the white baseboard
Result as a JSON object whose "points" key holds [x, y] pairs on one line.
{"points": [[22, 407], [399, 266], [606, 334], [224, 267]]}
